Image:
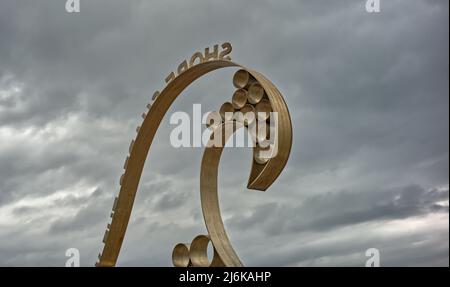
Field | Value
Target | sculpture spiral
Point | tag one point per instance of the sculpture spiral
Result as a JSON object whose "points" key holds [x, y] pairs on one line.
{"points": [[254, 92]]}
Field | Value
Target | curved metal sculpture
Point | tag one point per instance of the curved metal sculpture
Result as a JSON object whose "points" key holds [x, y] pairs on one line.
{"points": [[262, 174]]}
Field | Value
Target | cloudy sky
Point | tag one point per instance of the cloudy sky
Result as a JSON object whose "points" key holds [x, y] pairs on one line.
{"points": [[368, 96]]}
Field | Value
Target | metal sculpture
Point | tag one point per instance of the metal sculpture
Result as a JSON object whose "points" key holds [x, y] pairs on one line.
{"points": [[254, 93]]}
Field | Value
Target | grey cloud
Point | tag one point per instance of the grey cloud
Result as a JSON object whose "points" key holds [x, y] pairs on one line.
{"points": [[344, 208]]}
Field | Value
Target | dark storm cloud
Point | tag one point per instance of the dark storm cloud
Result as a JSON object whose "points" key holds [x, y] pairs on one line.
{"points": [[332, 210], [368, 96], [69, 201], [415, 249], [57, 160], [92, 212]]}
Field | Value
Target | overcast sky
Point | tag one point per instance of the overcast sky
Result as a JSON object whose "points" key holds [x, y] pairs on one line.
{"points": [[369, 101]]}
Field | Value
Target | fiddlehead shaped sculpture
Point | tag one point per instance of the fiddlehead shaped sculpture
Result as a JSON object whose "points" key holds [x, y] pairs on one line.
{"points": [[254, 93]]}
